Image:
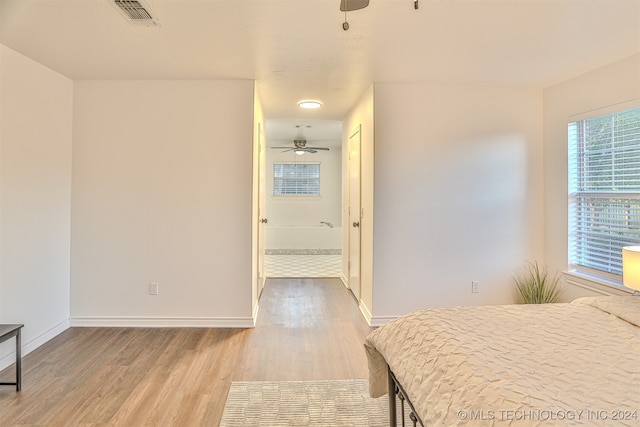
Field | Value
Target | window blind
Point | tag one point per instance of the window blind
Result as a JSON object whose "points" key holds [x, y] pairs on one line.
{"points": [[604, 189], [300, 179]]}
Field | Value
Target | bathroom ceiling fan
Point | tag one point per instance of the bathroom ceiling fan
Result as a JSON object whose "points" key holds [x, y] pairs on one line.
{"points": [[300, 147]]}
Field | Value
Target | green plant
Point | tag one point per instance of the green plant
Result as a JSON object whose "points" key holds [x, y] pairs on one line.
{"points": [[535, 286]]}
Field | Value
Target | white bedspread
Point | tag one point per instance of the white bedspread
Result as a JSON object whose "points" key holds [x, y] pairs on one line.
{"points": [[520, 365]]}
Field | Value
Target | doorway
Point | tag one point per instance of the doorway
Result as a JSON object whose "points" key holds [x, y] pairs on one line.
{"points": [[303, 206]]}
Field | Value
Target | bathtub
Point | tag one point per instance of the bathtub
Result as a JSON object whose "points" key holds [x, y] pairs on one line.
{"points": [[302, 237]]}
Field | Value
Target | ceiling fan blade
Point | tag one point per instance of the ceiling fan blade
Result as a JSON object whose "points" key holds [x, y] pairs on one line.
{"points": [[319, 148], [349, 5], [310, 150]]}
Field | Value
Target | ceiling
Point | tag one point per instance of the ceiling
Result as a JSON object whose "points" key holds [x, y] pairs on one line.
{"points": [[297, 49]]}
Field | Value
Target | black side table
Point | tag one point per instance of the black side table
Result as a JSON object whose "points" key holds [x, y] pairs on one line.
{"points": [[6, 332]]}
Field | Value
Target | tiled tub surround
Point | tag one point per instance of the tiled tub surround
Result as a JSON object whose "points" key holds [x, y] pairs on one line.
{"points": [[302, 237]]}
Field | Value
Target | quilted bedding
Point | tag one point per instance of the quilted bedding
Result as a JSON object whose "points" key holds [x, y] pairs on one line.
{"points": [[522, 365]]}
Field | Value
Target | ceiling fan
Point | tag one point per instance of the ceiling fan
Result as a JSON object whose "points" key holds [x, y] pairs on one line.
{"points": [[300, 147], [349, 5]]}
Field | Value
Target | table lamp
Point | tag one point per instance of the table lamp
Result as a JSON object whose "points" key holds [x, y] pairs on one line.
{"points": [[631, 267]]}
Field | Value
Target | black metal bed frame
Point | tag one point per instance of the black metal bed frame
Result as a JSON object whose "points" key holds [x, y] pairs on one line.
{"points": [[396, 390]]}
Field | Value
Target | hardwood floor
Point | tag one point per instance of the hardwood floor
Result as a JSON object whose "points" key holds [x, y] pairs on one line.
{"points": [[307, 329]]}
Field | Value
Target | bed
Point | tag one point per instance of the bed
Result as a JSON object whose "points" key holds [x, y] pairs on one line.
{"points": [[523, 365]]}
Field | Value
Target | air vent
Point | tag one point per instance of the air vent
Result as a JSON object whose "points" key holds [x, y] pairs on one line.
{"points": [[136, 11]]}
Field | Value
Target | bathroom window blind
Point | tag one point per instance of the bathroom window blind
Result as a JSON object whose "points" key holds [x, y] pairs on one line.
{"points": [[296, 179], [604, 190]]}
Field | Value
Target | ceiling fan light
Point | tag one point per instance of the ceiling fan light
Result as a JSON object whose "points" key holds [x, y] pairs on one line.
{"points": [[309, 104], [299, 152]]}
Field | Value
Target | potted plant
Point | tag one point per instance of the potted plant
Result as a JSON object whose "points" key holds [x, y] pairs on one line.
{"points": [[535, 286]]}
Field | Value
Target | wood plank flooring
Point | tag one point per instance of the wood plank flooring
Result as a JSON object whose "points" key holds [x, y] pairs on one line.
{"points": [[307, 329]]}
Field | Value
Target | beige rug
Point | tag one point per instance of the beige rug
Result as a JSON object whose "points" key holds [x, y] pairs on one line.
{"points": [[339, 403]]}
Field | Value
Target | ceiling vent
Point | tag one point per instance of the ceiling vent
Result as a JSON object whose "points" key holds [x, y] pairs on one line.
{"points": [[136, 11]]}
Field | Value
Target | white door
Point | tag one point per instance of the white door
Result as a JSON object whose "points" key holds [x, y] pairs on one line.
{"points": [[262, 217], [354, 213]]}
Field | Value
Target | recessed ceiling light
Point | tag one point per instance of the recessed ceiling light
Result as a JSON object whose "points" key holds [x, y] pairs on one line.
{"points": [[309, 104]]}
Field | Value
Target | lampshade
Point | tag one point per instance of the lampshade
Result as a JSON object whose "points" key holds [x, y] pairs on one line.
{"points": [[631, 267]]}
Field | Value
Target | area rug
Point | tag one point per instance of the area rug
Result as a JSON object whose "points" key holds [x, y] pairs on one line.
{"points": [[339, 403]]}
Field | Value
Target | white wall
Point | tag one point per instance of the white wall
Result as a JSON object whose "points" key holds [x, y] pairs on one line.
{"points": [[458, 194], [606, 86], [162, 192], [306, 211], [35, 192]]}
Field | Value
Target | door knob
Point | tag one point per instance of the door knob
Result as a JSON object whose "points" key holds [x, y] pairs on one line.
{"points": [[356, 224], [263, 220]]}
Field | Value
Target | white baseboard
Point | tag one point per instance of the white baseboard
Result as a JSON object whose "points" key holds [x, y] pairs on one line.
{"points": [[374, 321], [345, 281], [365, 312], [381, 320], [29, 346], [162, 322], [254, 316]]}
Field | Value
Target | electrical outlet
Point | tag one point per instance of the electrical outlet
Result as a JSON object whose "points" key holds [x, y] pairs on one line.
{"points": [[475, 286], [153, 288]]}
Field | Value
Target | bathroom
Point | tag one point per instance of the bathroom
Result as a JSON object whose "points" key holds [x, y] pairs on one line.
{"points": [[303, 235]]}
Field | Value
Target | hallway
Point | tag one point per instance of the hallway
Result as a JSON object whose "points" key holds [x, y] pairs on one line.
{"points": [[306, 329]]}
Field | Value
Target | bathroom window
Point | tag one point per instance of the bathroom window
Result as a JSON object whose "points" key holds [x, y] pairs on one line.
{"points": [[296, 179], [604, 190]]}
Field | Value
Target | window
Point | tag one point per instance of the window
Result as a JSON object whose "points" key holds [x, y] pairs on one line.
{"points": [[604, 190], [296, 179]]}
